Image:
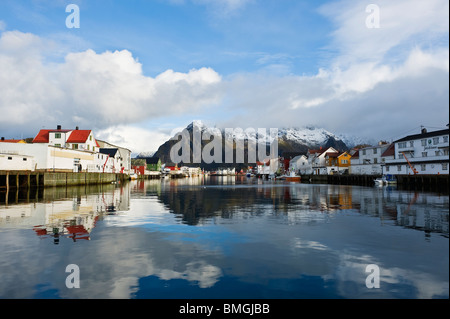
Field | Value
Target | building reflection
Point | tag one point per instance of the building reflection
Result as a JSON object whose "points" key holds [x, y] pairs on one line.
{"points": [[195, 200], [70, 212]]}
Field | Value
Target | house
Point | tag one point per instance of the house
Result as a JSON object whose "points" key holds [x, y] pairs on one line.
{"points": [[269, 166], [423, 153], [337, 162], [123, 156], [68, 138], [300, 165], [318, 160], [153, 164], [369, 160], [112, 162], [138, 169]]}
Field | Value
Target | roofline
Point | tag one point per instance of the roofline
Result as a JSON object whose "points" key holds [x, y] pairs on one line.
{"points": [[422, 135], [112, 145]]}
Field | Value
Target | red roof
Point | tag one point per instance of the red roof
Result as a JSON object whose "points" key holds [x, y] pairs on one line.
{"points": [[389, 151], [78, 136], [42, 136]]}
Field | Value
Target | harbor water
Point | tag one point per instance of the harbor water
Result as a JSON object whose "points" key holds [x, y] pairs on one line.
{"points": [[224, 237]]}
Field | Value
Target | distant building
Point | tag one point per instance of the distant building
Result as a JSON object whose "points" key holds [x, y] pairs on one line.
{"points": [[424, 153], [369, 160], [153, 164], [122, 158]]}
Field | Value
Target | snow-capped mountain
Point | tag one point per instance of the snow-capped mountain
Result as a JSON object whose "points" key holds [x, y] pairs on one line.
{"points": [[297, 140], [309, 136]]}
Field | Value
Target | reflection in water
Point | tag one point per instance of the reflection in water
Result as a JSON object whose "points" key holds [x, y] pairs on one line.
{"points": [[198, 199], [70, 212], [225, 237]]}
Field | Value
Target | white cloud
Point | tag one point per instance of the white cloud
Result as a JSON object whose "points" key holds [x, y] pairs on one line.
{"points": [[137, 139], [2, 25], [91, 89]]}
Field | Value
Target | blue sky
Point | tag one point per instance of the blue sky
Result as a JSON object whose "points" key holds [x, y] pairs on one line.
{"points": [[136, 70]]}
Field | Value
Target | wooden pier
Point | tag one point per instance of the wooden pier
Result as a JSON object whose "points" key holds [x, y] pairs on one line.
{"points": [[437, 182], [28, 179]]}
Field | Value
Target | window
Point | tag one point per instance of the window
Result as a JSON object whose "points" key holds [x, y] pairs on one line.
{"points": [[9, 158], [424, 142], [58, 145], [437, 153], [445, 139], [387, 168], [75, 146], [375, 150], [375, 160], [446, 152], [364, 152], [24, 159], [90, 137], [435, 140], [57, 135], [444, 166], [411, 143], [88, 147], [399, 168], [424, 154], [402, 145], [423, 167]]}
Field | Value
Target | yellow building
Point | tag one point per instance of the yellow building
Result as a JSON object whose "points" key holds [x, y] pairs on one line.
{"points": [[344, 160]]}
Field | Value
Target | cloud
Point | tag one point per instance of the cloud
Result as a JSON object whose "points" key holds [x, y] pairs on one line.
{"points": [[382, 77], [137, 139], [90, 89]]}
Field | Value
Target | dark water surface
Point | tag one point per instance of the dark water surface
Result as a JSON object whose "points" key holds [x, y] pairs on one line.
{"points": [[225, 237]]}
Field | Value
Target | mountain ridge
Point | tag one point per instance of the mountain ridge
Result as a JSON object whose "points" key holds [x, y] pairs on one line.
{"points": [[291, 140]]}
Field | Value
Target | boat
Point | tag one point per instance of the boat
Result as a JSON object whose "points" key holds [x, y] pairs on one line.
{"points": [[385, 180], [133, 176], [292, 177]]}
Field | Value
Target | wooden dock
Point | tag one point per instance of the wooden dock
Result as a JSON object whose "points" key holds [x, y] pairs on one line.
{"points": [[437, 183], [28, 179]]}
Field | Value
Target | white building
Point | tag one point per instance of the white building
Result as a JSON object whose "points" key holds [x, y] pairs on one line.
{"points": [[67, 138], [10, 162], [301, 165], [424, 153], [122, 157], [368, 160], [318, 160], [268, 166]]}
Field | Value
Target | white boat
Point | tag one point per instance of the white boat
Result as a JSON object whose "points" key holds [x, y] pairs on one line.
{"points": [[385, 180]]}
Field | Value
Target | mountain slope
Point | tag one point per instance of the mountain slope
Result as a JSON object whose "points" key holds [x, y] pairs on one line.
{"points": [[297, 140]]}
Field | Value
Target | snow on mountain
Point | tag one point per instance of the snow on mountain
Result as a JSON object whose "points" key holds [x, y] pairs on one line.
{"points": [[309, 136]]}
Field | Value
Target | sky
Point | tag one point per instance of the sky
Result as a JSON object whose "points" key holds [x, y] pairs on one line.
{"points": [[134, 71]]}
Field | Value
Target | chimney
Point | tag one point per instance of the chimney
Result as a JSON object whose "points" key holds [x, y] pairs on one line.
{"points": [[424, 130], [76, 128], [58, 127], [3, 138]]}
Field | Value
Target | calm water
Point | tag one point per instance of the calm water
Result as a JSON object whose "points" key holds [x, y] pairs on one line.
{"points": [[224, 238]]}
